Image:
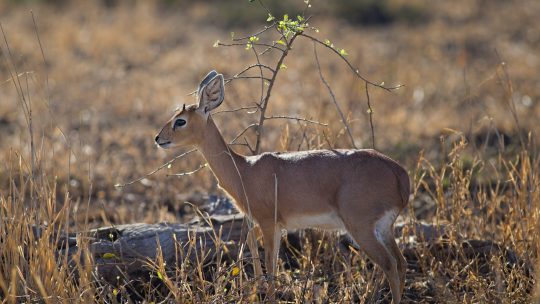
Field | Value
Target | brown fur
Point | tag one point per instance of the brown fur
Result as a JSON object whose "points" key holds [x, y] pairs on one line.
{"points": [[329, 189]]}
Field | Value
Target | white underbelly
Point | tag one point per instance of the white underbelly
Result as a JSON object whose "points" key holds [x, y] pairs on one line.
{"points": [[327, 221]]}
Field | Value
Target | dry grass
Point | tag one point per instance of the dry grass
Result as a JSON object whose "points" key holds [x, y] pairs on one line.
{"points": [[464, 125]]}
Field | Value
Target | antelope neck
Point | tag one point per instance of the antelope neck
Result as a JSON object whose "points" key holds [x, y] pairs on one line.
{"points": [[222, 160]]}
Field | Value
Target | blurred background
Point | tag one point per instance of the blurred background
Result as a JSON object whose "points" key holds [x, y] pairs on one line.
{"points": [[100, 78], [115, 70]]}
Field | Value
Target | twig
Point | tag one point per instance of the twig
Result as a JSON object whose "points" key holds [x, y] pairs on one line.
{"points": [[297, 119], [264, 103], [238, 110], [370, 113], [353, 69], [234, 78], [266, 28], [261, 71], [155, 170], [254, 66], [190, 172], [272, 46], [246, 77], [249, 146], [253, 125], [343, 120]]}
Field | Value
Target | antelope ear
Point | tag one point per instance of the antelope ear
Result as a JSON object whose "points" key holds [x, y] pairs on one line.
{"points": [[206, 79], [211, 92]]}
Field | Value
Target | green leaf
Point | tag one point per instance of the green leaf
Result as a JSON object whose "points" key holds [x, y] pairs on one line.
{"points": [[115, 292], [282, 66], [249, 46], [216, 44], [281, 42], [109, 255], [327, 42], [159, 275], [285, 17], [270, 18], [343, 52]]}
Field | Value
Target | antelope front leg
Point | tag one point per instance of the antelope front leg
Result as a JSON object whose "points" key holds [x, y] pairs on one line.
{"points": [[272, 241], [253, 249]]}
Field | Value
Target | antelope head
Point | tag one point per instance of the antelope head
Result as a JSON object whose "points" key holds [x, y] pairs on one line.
{"points": [[187, 126]]}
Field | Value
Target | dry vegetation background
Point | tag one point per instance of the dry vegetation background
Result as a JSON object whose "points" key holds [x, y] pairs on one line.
{"points": [[464, 125]]}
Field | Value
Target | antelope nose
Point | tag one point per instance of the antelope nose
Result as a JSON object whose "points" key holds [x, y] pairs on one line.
{"points": [[157, 138]]}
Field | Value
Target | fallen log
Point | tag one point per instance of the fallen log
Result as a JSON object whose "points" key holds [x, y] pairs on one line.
{"points": [[127, 251]]}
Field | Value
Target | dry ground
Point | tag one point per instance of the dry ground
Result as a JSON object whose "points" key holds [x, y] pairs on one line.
{"points": [[464, 124]]}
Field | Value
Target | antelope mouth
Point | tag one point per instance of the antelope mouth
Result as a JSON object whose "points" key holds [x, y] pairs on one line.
{"points": [[164, 145]]}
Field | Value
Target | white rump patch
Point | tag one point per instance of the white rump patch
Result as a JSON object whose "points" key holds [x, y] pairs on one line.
{"points": [[384, 224]]}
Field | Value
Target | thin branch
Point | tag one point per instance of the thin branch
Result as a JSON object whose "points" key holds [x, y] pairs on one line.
{"points": [[244, 144], [238, 110], [273, 46], [190, 172], [249, 146], [261, 102], [261, 71], [370, 113], [254, 66], [343, 120], [297, 119], [253, 125], [155, 170], [264, 103], [246, 77], [266, 8], [353, 69], [233, 78], [9, 80], [266, 28]]}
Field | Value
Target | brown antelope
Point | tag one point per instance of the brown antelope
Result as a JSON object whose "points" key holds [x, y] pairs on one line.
{"points": [[359, 191]]}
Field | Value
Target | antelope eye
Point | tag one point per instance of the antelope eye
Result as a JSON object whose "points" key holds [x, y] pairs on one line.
{"points": [[179, 123]]}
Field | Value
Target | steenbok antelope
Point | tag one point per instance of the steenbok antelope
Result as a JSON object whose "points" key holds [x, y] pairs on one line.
{"points": [[359, 191]]}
